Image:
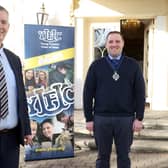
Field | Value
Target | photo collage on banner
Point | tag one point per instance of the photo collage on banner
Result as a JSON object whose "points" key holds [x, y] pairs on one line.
{"points": [[48, 76]]}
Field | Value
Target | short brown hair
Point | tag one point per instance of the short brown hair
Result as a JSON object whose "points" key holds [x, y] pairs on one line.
{"points": [[115, 32]]}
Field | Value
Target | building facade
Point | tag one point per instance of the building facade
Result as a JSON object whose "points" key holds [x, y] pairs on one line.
{"points": [[102, 14], [143, 23]]}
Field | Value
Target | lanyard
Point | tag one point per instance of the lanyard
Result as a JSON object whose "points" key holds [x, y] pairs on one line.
{"points": [[115, 75], [115, 68]]}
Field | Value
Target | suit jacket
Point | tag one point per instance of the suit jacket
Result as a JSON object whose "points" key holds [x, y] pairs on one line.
{"points": [[23, 118]]}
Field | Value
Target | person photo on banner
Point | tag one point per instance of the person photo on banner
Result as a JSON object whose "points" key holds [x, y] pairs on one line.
{"points": [[61, 73], [30, 149], [47, 131], [68, 120], [42, 79], [30, 82]]}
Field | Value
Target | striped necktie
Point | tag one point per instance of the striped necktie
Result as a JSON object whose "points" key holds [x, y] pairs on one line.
{"points": [[3, 94]]}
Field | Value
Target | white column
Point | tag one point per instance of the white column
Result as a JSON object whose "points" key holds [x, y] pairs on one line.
{"points": [[160, 65], [79, 57]]}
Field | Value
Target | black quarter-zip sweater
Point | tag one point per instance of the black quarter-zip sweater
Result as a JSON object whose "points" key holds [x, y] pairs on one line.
{"points": [[106, 97]]}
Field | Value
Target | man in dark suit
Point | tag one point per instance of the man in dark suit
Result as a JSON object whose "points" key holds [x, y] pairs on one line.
{"points": [[114, 101], [14, 122]]}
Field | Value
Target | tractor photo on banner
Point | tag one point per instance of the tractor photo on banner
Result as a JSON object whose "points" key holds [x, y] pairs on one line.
{"points": [[48, 76]]}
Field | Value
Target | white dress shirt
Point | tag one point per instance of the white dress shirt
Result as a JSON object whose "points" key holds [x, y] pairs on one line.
{"points": [[12, 119]]}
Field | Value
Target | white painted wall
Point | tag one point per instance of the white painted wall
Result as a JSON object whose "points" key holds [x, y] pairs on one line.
{"points": [[79, 59], [160, 65], [24, 12]]}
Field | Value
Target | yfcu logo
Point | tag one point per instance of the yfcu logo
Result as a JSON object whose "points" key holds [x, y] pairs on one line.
{"points": [[60, 97], [50, 36]]}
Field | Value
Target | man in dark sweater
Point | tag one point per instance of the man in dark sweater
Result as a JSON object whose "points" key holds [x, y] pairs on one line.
{"points": [[114, 100]]}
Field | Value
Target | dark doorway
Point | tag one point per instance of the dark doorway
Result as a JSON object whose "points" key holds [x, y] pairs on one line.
{"points": [[133, 32]]}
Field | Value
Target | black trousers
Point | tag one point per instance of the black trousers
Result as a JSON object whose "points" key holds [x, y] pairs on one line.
{"points": [[109, 129], [9, 150]]}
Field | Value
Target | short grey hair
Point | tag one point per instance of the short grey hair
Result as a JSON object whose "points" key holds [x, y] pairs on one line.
{"points": [[3, 9]]}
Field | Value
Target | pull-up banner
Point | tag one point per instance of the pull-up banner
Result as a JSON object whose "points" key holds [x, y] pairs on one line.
{"points": [[48, 77]]}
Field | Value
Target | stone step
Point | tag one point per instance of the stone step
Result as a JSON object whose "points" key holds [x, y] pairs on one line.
{"points": [[152, 134], [153, 138], [145, 146], [149, 146], [156, 124], [151, 114]]}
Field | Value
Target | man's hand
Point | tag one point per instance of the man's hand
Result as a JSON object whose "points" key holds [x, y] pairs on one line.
{"points": [[137, 125], [89, 126], [28, 139]]}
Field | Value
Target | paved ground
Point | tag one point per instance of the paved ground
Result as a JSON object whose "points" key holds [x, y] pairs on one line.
{"points": [[80, 161], [85, 158]]}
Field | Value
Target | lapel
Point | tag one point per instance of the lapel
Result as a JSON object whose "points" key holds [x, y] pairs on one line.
{"points": [[12, 59]]}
